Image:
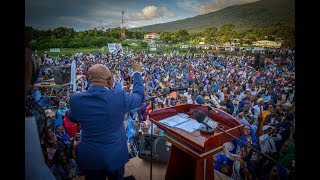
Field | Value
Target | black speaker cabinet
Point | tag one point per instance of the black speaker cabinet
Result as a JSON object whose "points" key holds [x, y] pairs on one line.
{"points": [[160, 147], [62, 74]]}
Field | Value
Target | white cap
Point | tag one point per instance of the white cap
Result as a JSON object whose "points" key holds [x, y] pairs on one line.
{"points": [[229, 145], [265, 127]]}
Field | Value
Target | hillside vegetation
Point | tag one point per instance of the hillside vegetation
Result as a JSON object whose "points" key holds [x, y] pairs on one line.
{"points": [[263, 20], [263, 13]]}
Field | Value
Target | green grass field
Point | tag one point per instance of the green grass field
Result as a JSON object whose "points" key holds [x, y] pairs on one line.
{"points": [[72, 51]]}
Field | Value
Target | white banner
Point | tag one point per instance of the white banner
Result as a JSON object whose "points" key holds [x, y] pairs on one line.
{"points": [[119, 48], [112, 47], [115, 47], [73, 78], [54, 49]]}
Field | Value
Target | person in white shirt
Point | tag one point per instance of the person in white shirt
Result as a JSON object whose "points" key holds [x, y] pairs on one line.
{"points": [[188, 95], [221, 95], [267, 140], [257, 109], [239, 167]]}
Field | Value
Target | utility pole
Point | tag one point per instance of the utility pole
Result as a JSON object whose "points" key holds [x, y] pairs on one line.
{"points": [[122, 30]]}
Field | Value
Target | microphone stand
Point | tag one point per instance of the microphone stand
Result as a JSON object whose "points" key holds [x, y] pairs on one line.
{"points": [[152, 99], [217, 112], [249, 146]]}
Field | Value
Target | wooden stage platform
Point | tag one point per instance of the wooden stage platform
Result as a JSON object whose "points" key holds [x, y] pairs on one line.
{"points": [[140, 169]]}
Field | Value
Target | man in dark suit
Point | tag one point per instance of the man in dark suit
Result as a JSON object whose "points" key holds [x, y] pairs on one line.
{"points": [[103, 150], [272, 118]]}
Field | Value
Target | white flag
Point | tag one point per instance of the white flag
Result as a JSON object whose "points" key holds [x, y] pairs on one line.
{"points": [[73, 76]]}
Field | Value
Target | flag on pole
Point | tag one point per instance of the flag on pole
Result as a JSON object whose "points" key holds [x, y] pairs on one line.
{"points": [[73, 76]]}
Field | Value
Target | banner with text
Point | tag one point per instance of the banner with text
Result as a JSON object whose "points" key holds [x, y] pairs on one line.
{"points": [[54, 49], [115, 47]]}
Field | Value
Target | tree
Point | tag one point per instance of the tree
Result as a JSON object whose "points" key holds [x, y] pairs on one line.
{"points": [[143, 44], [60, 32], [182, 35], [209, 34], [135, 35], [226, 33], [166, 37], [270, 38]]}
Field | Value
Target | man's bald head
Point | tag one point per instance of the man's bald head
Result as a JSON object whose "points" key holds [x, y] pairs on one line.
{"points": [[99, 74]]}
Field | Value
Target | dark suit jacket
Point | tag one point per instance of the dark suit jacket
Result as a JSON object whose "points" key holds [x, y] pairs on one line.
{"points": [[101, 114], [268, 119]]}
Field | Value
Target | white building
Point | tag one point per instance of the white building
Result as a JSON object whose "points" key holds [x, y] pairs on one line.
{"points": [[151, 36]]}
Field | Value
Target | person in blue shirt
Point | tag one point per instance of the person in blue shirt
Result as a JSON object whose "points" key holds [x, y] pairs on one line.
{"points": [[222, 164], [45, 101], [130, 132], [60, 113], [36, 95], [62, 136], [103, 149]]}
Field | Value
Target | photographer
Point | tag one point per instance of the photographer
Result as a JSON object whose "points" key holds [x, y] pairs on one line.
{"points": [[267, 140], [35, 167]]}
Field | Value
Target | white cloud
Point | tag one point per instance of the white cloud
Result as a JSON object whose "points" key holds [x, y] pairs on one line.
{"points": [[151, 12]]}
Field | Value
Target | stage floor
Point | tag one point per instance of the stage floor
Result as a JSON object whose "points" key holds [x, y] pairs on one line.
{"points": [[140, 169]]}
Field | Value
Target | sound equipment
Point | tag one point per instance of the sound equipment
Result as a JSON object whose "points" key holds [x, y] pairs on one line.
{"points": [[62, 74], [259, 61], [161, 148]]}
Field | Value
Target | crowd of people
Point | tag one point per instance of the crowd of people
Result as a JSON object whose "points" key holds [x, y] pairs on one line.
{"points": [[261, 98]]}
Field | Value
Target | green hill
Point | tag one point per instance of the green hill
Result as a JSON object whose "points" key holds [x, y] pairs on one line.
{"points": [[263, 13]]}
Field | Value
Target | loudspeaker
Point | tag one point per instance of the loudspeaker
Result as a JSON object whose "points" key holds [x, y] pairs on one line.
{"points": [[160, 147], [62, 74], [259, 61]]}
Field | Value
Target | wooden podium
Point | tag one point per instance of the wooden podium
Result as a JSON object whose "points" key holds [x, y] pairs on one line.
{"points": [[191, 155]]}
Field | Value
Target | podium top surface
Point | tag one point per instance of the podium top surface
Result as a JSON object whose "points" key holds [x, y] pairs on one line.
{"points": [[196, 141]]}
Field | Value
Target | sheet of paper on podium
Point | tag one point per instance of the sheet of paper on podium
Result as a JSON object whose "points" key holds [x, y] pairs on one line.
{"points": [[182, 121]]}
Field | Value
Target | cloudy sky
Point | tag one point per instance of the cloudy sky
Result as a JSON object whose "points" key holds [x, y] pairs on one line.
{"points": [[104, 14]]}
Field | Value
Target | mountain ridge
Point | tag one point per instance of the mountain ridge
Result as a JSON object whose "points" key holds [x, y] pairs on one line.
{"points": [[262, 13]]}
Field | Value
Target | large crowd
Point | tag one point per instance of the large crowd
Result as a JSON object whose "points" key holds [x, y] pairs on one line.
{"points": [[262, 98]]}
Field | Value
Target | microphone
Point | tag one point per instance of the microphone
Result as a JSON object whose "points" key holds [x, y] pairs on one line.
{"points": [[178, 89], [200, 100], [168, 90], [210, 124]]}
